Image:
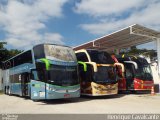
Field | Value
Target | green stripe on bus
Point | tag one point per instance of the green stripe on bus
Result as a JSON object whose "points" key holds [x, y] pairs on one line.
{"points": [[37, 85], [47, 63], [84, 65]]}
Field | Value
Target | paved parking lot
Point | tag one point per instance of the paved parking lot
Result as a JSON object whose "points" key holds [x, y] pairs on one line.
{"points": [[122, 103]]}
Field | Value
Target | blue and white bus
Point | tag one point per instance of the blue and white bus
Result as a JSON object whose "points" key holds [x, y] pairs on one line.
{"points": [[47, 71]]}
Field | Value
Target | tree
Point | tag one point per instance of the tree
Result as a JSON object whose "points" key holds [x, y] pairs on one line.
{"points": [[135, 51], [6, 54], [14, 52]]}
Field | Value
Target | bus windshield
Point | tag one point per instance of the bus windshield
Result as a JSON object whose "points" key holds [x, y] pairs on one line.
{"points": [[144, 72], [63, 75], [105, 74], [100, 57]]}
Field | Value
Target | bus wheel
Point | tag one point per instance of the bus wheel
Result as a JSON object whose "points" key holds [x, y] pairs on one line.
{"points": [[5, 90], [36, 100], [9, 91], [134, 92]]}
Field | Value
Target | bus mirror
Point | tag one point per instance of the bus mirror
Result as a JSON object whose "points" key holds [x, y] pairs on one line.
{"points": [[90, 68], [47, 63], [132, 62], [83, 64], [94, 65], [120, 67]]}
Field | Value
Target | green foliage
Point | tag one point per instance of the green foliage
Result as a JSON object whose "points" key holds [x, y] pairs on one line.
{"points": [[6, 54], [145, 52], [14, 52]]}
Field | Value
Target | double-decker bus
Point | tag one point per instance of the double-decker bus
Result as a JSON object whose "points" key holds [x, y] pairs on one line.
{"points": [[47, 71], [137, 74], [97, 73]]}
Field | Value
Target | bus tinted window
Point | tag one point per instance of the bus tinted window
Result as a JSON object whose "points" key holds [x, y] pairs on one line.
{"points": [[62, 75], [105, 75], [140, 61], [144, 72], [25, 57], [82, 57], [39, 51], [100, 57]]}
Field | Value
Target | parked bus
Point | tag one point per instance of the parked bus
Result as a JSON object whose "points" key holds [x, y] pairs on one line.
{"points": [[97, 73], [47, 71], [137, 75]]}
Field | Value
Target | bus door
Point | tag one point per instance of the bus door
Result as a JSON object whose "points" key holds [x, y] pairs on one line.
{"points": [[121, 77], [129, 75], [37, 84], [24, 84]]}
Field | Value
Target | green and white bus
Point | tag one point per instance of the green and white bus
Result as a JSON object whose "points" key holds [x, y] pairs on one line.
{"points": [[47, 71]]}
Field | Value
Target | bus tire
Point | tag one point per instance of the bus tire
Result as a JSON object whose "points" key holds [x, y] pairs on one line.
{"points": [[35, 100], [134, 92], [21, 94], [5, 90], [9, 91], [30, 94]]}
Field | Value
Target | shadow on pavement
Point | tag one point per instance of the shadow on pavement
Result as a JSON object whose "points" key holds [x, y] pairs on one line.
{"points": [[64, 101], [83, 98], [104, 97], [135, 92]]}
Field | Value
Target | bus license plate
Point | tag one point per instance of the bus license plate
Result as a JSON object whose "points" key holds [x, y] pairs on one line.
{"points": [[67, 96]]}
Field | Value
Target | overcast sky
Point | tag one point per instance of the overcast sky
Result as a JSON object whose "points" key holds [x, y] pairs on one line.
{"points": [[24, 23]]}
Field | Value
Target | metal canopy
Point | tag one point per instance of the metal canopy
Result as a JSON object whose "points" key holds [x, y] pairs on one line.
{"points": [[124, 38]]}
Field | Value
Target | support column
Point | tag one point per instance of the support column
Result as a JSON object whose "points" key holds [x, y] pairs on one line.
{"points": [[158, 55]]}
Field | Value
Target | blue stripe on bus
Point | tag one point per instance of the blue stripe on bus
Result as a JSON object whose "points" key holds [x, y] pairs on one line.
{"points": [[50, 91]]}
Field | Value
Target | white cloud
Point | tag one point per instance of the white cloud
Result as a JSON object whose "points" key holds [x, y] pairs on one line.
{"points": [[111, 15], [22, 20], [106, 7]]}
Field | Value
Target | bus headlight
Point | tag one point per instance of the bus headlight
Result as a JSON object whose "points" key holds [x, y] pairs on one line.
{"points": [[52, 89]]}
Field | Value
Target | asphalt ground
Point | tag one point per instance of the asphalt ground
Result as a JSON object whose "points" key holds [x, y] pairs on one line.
{"points": [[119, 104]]}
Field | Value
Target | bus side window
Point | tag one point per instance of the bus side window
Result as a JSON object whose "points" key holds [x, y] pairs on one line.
{"points": [[82, 57]]}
